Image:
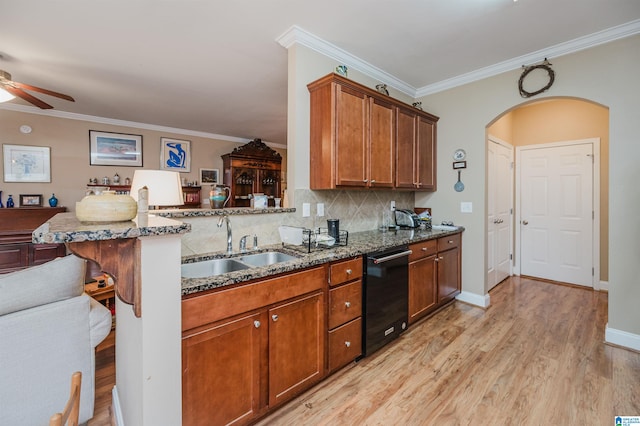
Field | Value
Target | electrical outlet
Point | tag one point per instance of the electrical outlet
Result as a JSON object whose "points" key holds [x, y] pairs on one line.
{"points": [[466, 207], [320, 209], [393, 205], [306, 209]]}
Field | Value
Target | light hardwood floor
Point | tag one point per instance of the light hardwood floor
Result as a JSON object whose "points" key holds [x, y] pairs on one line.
{"points": [[535, 356]]}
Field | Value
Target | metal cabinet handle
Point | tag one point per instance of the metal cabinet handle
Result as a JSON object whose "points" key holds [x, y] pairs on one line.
{"points": [[349, 271], [525, 222], [274, 317], [347, 344], [423, 249], [373, 181], [365, 180], [256, 324], [441, 257], [437, 259], [347, 304]]}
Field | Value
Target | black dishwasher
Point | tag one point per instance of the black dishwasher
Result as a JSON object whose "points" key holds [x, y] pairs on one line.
{"points": [[385, 297]]}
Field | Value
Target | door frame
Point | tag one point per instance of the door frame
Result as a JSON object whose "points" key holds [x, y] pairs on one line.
{"points": [[595, 229], [494, 139]]}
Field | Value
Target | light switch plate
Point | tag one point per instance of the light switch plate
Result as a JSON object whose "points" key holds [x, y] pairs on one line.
{"points": [[320, 209], [466, 207], [306, 209]]}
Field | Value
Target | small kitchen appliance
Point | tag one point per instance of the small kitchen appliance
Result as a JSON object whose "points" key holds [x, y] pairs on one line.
{"points": [[406, 218]]}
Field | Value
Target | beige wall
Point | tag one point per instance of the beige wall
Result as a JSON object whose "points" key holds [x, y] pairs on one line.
{"points": [[604, 74], [558, 120], [69, 142]]}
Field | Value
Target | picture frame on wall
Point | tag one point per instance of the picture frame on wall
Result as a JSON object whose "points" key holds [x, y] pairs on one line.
{"points": [[209, 176], [24, 163], [175, 155], [115, 149], [30, 200]]}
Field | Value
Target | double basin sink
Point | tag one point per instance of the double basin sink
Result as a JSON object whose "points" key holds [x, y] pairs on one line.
{"points": [[212, 267]]}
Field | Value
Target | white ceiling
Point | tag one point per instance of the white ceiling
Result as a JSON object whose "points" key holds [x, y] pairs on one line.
{"points": [[217, 67]]}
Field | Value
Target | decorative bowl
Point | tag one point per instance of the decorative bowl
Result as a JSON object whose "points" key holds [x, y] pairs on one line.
{"points": [[106, 207]]}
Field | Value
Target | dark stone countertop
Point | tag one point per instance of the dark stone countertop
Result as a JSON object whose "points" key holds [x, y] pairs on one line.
{"points": [[358, 244]]}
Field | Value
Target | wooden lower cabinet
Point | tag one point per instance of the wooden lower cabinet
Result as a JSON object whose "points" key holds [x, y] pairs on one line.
{"points": [[345, 344], [448, 274], [422, 287], [236, 368]]}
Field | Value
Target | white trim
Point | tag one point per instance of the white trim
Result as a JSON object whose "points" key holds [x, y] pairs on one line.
{"points": [[604, 286], [595, 281], [622, 338], [295, 34], [124, 123], [474, 299], [566, 48], [116, 411]]}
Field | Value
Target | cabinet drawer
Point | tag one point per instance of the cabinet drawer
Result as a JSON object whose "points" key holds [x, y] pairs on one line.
{"points": [[345, 344], [423, 249], [448, 242], [345, 303], [341, 272]]}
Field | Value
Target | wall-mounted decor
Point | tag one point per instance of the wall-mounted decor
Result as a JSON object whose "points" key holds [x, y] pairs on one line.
{"points": [[175, 155], [23, 163], [209, 176], [30, 200], [551, 76], [115, 149]]}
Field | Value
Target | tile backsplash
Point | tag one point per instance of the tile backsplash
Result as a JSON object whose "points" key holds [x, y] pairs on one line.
{"points": [[358, 210]]}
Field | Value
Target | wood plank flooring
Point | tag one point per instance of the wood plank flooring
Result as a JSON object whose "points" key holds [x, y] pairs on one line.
{"points": [[535, 356]]}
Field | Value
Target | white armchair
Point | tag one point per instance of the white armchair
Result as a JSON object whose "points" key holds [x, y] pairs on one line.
{"points": [[48, 329]]}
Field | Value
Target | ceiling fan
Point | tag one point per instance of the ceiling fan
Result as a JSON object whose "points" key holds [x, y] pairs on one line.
{"points": [[18, 89]]}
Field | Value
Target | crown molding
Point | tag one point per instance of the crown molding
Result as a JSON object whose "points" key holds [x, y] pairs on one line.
{"points": [[123, 123], [572, 46], [296, 35]]}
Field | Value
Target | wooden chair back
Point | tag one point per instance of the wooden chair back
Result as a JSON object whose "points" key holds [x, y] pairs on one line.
{"points": [[69, 416]]}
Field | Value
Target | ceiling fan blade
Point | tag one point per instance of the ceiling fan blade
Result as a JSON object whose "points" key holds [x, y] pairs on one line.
{"points": [[27, 97], [41, 90]]}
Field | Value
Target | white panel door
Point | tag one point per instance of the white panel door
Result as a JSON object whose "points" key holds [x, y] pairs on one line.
{"points": [[557, 213], [499, 206]]}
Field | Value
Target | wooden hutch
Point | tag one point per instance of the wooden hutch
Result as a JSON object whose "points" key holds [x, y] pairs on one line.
{"points": [[252, 168]]}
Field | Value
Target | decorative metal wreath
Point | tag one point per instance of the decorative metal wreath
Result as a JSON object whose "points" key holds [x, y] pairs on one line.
{"points": [[527, 69]]}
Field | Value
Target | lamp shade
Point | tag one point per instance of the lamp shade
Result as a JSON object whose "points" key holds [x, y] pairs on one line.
{"points": [[5, 96], [164, 187]]}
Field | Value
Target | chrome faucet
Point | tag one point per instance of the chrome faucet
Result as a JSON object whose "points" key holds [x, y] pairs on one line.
{"points": [[243, 243], [225, 218]]}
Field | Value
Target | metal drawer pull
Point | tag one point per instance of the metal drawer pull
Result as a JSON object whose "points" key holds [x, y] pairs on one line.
{"points": [[347, 344], [441, 257], [349, 271], [347, 304], [423, 249], [274, 317], [256, 324], [450, 241]]}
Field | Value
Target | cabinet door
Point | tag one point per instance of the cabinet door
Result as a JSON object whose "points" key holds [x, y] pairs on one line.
{"points": [[448, 274], [426, 154], [351, 137], [221, 372], [269, 184], [405, 148], [13, 257], [296, 346], [422, 287], [243, 184], [381, 151], [43, 253]]}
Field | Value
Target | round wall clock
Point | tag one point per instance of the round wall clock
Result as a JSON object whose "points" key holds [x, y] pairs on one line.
{"points": [[459, 155]]}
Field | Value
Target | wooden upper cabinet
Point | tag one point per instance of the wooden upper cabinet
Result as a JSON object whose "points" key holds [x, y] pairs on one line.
{"points": [[360, 138]]}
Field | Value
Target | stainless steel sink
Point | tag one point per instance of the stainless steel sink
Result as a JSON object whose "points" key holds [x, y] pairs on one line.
{"points": [[209, 268], [266, 258]]}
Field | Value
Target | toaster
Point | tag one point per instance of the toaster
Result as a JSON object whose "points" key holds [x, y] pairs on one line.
{"points": [[407, 218]]}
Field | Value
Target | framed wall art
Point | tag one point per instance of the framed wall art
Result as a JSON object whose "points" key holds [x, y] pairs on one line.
{"points": [[115, 149], [175, 155], [30, 200], [23, 163], [209, 176]]}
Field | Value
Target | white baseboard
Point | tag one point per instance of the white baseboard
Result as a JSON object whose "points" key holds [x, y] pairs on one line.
{"points": [[474, 299], [622, 338], [604, 286], [116, 412]]}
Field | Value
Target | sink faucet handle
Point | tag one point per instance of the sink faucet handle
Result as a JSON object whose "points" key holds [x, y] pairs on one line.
{"points": [[243, 243], [255, 241]]}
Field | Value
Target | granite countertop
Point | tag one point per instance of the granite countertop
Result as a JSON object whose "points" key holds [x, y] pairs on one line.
{"points": [[227, 211], [359, 243], [66, 228]]}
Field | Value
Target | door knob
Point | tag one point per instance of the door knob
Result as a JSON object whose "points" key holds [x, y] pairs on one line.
{"points": [[525, 222]]}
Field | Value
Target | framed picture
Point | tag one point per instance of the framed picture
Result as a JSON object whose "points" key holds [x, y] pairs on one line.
{"points": [[115, 149], [23, 163], [175, 154], [209, 176], [30, 200]]}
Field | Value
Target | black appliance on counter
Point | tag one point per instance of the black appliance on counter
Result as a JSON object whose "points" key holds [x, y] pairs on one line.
{"points": [[385, 297]]}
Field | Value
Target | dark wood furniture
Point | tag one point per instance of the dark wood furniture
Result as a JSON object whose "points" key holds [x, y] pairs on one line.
{"points": [[434, 275], [360, 138], [16, 249], [252, 168], [190, 194]]}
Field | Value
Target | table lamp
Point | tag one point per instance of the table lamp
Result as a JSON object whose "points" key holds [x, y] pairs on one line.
{"points": [[164, 188]]}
